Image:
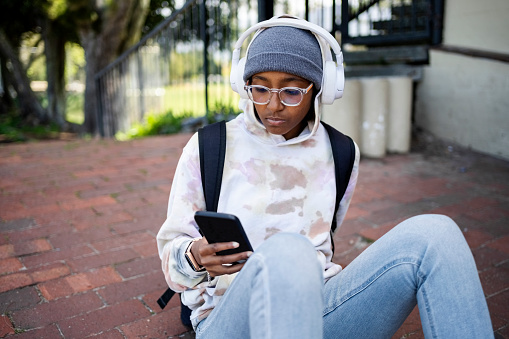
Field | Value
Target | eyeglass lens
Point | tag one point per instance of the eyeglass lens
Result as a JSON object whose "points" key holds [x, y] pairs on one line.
{"points": [[262, 95]]}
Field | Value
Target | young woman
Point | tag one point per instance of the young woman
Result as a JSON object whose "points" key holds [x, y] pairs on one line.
{"points": [[279, 180]]}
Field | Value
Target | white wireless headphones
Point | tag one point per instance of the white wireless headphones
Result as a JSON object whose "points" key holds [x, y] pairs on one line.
{"points": [[333, 80]]}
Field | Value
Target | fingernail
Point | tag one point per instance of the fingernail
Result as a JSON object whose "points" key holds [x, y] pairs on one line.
{"points": [[235, 244], [249, 254]]}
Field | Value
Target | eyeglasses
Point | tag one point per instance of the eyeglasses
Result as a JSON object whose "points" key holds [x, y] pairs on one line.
{"points": [[289, 96]]}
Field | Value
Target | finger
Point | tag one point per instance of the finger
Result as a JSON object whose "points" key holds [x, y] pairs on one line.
{"points": [[212, 260], [210, 249], [219, 270], [233, 258], [219, 265]]}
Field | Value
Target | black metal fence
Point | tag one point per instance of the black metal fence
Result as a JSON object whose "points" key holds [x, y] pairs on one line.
{"points": [[391, 22], [170, 69], [183, 65]]}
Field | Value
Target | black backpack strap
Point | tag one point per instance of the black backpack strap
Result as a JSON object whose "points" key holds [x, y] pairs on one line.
{"points": [[343, 152], [212, 143], [212, 146], [165, 298]]}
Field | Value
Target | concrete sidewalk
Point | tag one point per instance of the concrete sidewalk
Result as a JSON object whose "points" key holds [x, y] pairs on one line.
{"points": [[78, 221]]}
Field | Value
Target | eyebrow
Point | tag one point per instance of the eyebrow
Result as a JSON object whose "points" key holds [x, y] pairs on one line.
{"points": [[287, 79]]}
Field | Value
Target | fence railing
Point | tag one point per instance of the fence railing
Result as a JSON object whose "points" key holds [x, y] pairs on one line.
{"points": [[391, 22], [183, 65]]}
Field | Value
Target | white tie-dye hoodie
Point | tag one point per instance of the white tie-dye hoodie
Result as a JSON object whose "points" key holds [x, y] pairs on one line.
{"points": [[271, 184]]}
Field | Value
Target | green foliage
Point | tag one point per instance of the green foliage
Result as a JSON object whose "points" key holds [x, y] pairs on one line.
{"points": [[75, 62], [155, 124], [12, 129], [56, 9], [32, 55], [169, 123]]}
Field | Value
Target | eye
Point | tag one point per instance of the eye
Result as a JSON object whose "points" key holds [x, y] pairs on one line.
{"points": [[291, 91], [260, 90]]}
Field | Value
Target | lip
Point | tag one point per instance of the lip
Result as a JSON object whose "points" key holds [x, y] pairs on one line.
{"points": [[275, 121]]}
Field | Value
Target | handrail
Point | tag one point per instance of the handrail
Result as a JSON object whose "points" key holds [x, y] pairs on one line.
{"points": [[473, 52], [363, 8]]}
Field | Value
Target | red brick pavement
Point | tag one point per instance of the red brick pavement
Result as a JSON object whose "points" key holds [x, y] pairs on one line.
{"points": [[78, 221]]}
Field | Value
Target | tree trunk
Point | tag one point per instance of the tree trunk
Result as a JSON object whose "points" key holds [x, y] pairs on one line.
{"points": [[31, 109], [119, 27], [54, 48]]}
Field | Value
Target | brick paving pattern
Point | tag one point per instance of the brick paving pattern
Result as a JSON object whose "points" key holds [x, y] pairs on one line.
{"points": [[78, 221]]}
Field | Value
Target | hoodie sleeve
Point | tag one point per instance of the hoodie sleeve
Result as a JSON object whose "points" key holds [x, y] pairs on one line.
{"points": [[186, 197], [347, 198]]}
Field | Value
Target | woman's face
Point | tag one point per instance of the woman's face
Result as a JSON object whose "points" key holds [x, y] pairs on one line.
{"points": [[288, 121]]}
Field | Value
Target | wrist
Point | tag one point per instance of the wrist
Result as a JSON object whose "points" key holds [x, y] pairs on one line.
{"points": [[191, 259]]}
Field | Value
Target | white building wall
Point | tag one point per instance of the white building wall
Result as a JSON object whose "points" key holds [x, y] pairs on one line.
{"points": [[477, 24], [466, 99]]}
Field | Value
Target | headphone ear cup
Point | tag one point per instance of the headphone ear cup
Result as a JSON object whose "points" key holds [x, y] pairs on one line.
{"points": [[236, 78], [329, 83], [240, 78], [233, 75], [340, 81]]}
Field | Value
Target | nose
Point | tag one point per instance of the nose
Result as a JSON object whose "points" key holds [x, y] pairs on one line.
{"points": [[275, 103]]}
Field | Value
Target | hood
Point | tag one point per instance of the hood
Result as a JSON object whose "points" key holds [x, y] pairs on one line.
{"points": [[258, 130]]}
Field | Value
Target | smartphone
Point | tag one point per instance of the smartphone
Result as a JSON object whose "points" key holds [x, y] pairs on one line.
{"points": [[223, 227]]}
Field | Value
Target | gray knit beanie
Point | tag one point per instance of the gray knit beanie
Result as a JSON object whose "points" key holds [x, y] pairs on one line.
{"points": [[285, 49]]}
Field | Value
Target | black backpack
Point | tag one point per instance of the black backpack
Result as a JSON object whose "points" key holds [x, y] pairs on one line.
{"points": [[212, 146]]}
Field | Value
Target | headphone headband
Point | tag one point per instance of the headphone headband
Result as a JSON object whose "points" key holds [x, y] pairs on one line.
{"points": [[333, 73], [291, 22]]}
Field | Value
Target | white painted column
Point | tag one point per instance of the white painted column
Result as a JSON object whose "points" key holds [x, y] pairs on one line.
{"points": [[400, 114], [375, 93], [345, 114]]}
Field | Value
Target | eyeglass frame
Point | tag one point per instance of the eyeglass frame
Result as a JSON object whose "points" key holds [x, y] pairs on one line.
{"points": [[303, 92]]}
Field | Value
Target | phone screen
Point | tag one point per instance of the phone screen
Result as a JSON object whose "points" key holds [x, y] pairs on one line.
{"points": [[223, 227]]}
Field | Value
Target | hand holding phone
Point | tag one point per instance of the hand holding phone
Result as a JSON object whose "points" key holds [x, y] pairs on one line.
{"points": [[216, 251], [223, 227]]}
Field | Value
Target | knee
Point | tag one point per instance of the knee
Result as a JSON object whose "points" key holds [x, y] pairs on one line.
{"points": [[289, 246], [435, 230], [433, 225], [290, 252]]}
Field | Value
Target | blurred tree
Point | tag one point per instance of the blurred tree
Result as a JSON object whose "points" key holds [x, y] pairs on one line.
{"points": [[46, 22], [20, 19], [106, 29]]}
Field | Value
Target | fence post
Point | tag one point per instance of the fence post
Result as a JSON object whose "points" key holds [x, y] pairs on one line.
{"points": [[345, 17], [99, 106], [205, 38], [265, 9], [437, 8], [141, 83]]}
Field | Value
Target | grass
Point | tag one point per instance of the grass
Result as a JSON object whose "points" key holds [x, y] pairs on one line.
{"points": [[74, 108], [191, 97]]}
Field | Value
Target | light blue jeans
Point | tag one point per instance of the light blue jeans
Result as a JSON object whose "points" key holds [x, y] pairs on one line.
{"points": [[279, 293]]}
